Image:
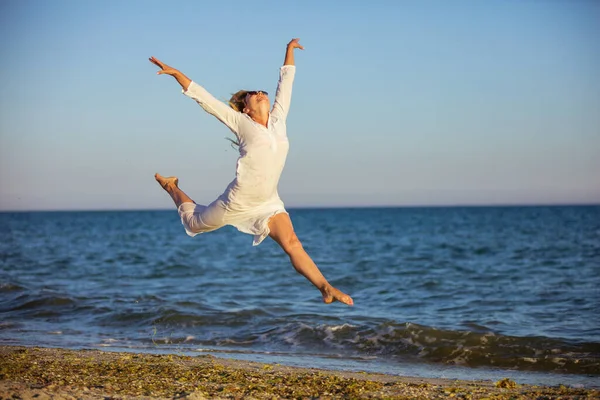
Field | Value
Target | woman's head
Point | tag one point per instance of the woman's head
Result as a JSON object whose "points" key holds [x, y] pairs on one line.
{"points": [[250, 101]]}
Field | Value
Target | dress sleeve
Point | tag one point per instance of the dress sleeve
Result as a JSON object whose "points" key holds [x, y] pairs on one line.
{"points": [[211, 105], [283, 97]]}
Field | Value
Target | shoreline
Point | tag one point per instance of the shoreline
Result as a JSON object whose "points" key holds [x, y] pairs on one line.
{"points": [[45, 373]]}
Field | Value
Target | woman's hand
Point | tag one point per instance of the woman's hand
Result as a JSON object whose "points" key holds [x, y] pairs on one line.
{"points": [[164, 68], [294, 44], [289, 53], [183, 80]]}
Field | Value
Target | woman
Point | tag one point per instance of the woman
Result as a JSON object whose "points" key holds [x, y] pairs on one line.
{"points": [[251, 202]]}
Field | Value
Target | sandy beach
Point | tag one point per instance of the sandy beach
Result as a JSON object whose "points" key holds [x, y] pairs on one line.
{"points": [[45, 373]]}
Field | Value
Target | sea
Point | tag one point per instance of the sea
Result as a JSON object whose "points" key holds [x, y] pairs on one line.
{"points": [[441, 292]]}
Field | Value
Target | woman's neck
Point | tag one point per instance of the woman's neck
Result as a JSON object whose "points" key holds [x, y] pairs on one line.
{"points": [[260, 118]]}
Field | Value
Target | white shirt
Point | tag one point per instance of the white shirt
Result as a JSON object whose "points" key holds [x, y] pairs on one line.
{"points": [[252, 198]]}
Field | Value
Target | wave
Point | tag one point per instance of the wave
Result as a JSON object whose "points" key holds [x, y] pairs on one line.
{"points": [[10, 287], [24, 304], [472, 348], [411, 342]]}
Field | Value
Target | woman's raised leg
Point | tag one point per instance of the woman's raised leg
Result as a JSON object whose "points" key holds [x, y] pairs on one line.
{"points": [[170, 186], [282, 231]]}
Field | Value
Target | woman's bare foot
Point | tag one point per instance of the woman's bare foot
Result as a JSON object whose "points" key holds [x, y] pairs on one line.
{"points": [[331, 294], [170, 185], [166, 182]]}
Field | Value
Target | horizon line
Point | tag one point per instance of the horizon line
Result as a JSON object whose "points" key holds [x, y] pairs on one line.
{"points": [[326, 207]]}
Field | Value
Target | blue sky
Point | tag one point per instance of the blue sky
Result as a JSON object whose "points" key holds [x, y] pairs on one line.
{"points": [[395, 102]]}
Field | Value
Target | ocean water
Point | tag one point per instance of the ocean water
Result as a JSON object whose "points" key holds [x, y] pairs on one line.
{"points": [[465, 293]]}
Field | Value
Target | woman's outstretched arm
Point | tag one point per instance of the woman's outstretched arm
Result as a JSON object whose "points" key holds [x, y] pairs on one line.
{"points": [[183, 80], [283, 96], [289, 52], [208, 102]]}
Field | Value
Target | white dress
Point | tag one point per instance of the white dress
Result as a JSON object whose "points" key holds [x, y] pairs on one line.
{"points": [[251, 198]]}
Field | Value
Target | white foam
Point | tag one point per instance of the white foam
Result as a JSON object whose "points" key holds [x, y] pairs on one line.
{"points": [[338, 327]]}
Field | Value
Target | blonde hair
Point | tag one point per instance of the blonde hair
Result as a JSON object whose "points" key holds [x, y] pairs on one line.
{"points": [[238, 103], [238, 100]]}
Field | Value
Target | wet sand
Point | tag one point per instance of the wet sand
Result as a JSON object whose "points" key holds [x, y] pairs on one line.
{"points": [[43, 373]]}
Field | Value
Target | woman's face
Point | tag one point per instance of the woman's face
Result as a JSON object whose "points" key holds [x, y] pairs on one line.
{"points": [[257, 100]]}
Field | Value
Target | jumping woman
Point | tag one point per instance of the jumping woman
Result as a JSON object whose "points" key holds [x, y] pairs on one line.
{"points": [[251, 202]]}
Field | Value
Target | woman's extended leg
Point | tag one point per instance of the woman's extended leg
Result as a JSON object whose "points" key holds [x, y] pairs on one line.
{"points": [[196, 218], [283, 233], [170, 186]]}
